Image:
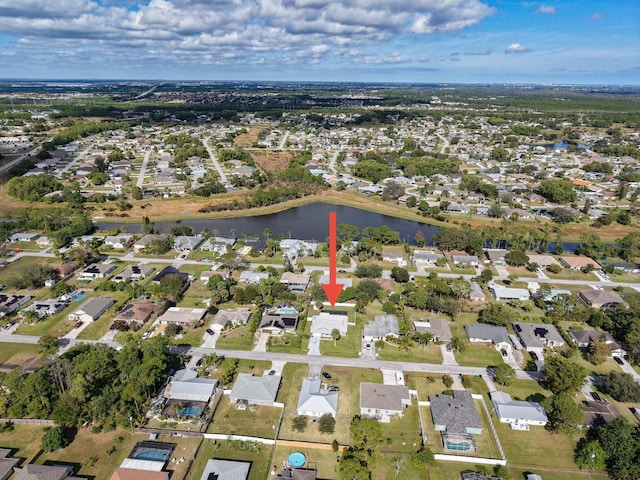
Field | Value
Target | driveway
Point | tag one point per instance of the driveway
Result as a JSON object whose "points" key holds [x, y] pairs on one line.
{"points": [[210, 340], [314, 345], [448, 358], [625, 367], [261, 345], [277, 366], [390, 377], [510, 359]]}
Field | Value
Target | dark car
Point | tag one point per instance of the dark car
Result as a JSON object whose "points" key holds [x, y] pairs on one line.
{"points": [[342, 271], [448, 347], [333, 388], [326, 375], [534, 356], [618, 360], [503, 352], [596, 397], [271, 372], [210, 332]]}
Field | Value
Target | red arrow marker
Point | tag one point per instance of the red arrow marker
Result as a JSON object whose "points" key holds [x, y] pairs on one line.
{"points": [[332, 289]]}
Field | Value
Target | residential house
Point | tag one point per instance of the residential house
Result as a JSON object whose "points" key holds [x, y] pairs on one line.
{"points": [[148, 456], [508, 294], [250, 390], [314, 401], [147, 239], [186, 243], [118, 242], [556, 292], [296, 282], [426, 258], [45, 472], [252, 278], [44, 242], [598, 413], [456, 415], [183, 316], [23, 237], [394, 257], [65, 269], [7, 463], [138, 312], [579, 262], [437, 327], [476, 294], [382, 402], [489, 334], [326, 321], [347, 282], [543, 261], [293, 248], [496, 257], [381, 327], [133, 273], [218, 245], [583, 338], [601, 299], [218, 469], [234, 316], [471, 260], [478, 476], [92, 309], [186, 386], [518, 414], [96, 270], [45, 308], [279, 322], [536, 336], [168, 270]]}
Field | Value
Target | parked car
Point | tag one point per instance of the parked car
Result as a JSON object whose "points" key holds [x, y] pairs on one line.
{"points": [[271, 372], [210, 332], [503, 352], [534, 356], [448, 347], [78, 324], [596, 397], [326, 375], [618, 360], [333, 388]]}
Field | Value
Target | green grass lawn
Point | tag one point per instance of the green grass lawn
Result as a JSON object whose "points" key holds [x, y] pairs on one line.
{"points": [[289, 343], [427, 384], [403, 434], [259, 456], [97, 329], [348, 346], [478, 355], [323, 461], [87, 445], [235, 339], [255, 421], [17, 353], [25, 438], [430, 353], [57, 325], [292, 376], [522, 389], [567, 274]]}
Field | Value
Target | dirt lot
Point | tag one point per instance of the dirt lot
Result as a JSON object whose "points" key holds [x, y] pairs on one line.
{"points": [[273, 162], [246, 140]]}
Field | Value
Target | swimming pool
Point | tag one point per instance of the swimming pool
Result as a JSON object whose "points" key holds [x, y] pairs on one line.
{"points": [[458, 446], [191, 411], [156, 455], [286, 310], [296, 459]]}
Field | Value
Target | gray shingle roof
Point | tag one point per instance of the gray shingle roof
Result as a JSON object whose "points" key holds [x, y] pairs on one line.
{"points": [[255, 389], [455, 414], [487, 332]]}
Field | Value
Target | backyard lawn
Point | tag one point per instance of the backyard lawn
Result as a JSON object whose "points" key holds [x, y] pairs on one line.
{"points": [[430, 353], [323, 461], [478, 355], [235, 339], [259, 456], [255, 421], [17, 353]]}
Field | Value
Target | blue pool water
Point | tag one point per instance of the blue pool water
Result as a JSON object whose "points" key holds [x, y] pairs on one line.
{"points": [[190, 411], [157, 455], [79, 298], [286, 310], [296, 459], [462, 446]]}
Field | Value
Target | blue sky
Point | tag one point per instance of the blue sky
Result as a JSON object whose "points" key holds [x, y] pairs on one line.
{"points": [[458, 41]]}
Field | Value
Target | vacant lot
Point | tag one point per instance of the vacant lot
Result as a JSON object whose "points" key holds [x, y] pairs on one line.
{"points": [[273, 162]]}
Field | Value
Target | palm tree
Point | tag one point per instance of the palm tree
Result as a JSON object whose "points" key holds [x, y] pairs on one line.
{"points": [[335, 334], [266, 233]]}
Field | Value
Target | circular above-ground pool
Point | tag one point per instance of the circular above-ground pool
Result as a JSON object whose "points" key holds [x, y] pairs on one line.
{"points": [[296, 459]]}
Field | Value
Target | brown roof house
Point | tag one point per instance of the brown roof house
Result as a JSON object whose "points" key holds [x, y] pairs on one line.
{"points": [[138, 312], [438, 327], [597, 414], [584, 337], [381, 402], [7, 463], [183, 316], [579, 262], [601, 298], [45, 472]]}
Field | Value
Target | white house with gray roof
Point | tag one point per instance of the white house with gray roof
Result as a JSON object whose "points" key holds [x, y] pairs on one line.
{"points": [[92, 309], [382, 402], [252, 278], [234, 316], [488, 334], [45, 308], [507, 294], [118, 242], [314, 401], [217, 469], [186, 243], [536, 336], [326, 321], [518, 414], [186, 386], [455, 414], [250, 390], [381, 327]]}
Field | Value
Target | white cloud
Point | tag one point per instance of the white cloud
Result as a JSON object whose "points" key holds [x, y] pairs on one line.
{"points": [[597, 16], [546, 10], [517, 48]]}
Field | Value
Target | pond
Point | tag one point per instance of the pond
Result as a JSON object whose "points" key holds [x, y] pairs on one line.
{"points": [[307, 222]]}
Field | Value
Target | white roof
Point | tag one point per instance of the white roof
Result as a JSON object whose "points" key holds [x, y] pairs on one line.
{"points": [[317, 401], [149, 465], [506, 408], [325, 322]]}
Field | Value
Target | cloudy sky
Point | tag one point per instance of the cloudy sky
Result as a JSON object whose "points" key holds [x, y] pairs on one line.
{"points": [[564, 41]]}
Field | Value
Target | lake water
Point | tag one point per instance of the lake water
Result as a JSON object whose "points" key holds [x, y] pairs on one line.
{"points": [[565, 145], [307, 222]]}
